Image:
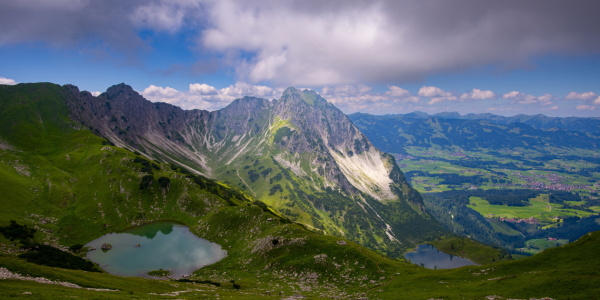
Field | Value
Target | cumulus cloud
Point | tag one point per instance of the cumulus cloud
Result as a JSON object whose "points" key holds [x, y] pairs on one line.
{"points": [[166, 16], [546, 99], [436, 94], [362, 98], [202, 88], [204, 96], [585, 107], [478, 94], [580, 96], [7, 81], [396, 91], [520, 98], [155, 92]]}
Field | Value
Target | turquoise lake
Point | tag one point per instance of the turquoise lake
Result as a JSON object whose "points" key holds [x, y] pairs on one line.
{"points": [[432, 258], [162, 245]]}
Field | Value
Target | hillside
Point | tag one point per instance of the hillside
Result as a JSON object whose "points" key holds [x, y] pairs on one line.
{"points": [[299, 154]]}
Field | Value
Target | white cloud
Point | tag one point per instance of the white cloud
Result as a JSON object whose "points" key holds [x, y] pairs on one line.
{"points": [[546, 99], [580, 96], [432, 91], [478, 94], [95, 94], [197, 88], [7, 81], [160, 92], [160, 17], [520, 98], [436, 95], [585, 107], [396, 91], [597, 101], [204, 96], [362, 98]]}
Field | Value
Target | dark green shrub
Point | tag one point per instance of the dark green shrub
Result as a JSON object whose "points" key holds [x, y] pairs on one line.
{"points": [[146, 182], [52, 257], [164, 182], [15, 231]]}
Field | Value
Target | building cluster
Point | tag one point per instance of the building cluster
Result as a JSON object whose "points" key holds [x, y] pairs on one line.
{"points": [[530, 220]]}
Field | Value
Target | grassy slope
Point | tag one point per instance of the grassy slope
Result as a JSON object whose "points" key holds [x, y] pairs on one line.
{"points": [[478, 253], [566, 272]]}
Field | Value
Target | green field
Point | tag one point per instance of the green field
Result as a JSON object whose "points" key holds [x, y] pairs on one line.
{"points": [[436, 161], [538, 245], [540, 209]]}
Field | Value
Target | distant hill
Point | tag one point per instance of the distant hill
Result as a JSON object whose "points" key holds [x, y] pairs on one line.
{"points": [[392, 133], [539, 121]]}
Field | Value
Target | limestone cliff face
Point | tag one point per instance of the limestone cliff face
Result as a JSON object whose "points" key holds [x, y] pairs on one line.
{"points": [[300, 154]]}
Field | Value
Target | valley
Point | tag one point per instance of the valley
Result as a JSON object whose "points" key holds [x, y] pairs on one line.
{"points": [[524, 178]]}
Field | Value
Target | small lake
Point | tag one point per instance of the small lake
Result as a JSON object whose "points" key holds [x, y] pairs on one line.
{"points": [[432, 258], [162, 245]]}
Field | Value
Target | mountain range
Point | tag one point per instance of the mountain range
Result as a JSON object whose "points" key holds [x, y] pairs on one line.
{"points": [[394, 133], [299, 154]]}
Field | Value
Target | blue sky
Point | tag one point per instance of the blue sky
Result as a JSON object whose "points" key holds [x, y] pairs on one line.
{"points": [[502, 57]]}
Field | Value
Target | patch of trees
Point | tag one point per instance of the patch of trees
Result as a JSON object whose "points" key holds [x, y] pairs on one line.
{"points": [[450, 178], [52, 257], [266, 172], [253, 175], [18, 232], [560, 197], [164, 182], [146, 182], [571, 229], [199, 281], [276, 178], [282, 133], [274, 189], [290, 213], [495, 197], [147, 166]]}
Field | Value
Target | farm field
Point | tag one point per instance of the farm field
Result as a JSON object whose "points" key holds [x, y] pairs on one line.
{"points": [[542, 210], [435, 169]]}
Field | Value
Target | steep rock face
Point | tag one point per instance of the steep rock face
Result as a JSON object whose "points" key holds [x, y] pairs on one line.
{"points": [[299, 154]]}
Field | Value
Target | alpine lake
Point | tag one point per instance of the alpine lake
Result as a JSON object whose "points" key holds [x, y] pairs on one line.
{"points": [[163, 246], [430, 257]]}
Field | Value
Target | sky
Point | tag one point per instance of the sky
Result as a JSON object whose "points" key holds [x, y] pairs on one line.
{"points": [[379, 57]]}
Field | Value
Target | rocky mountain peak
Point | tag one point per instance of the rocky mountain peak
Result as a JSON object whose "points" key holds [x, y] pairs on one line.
{"points": [[293, 96], [119, 89]]}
